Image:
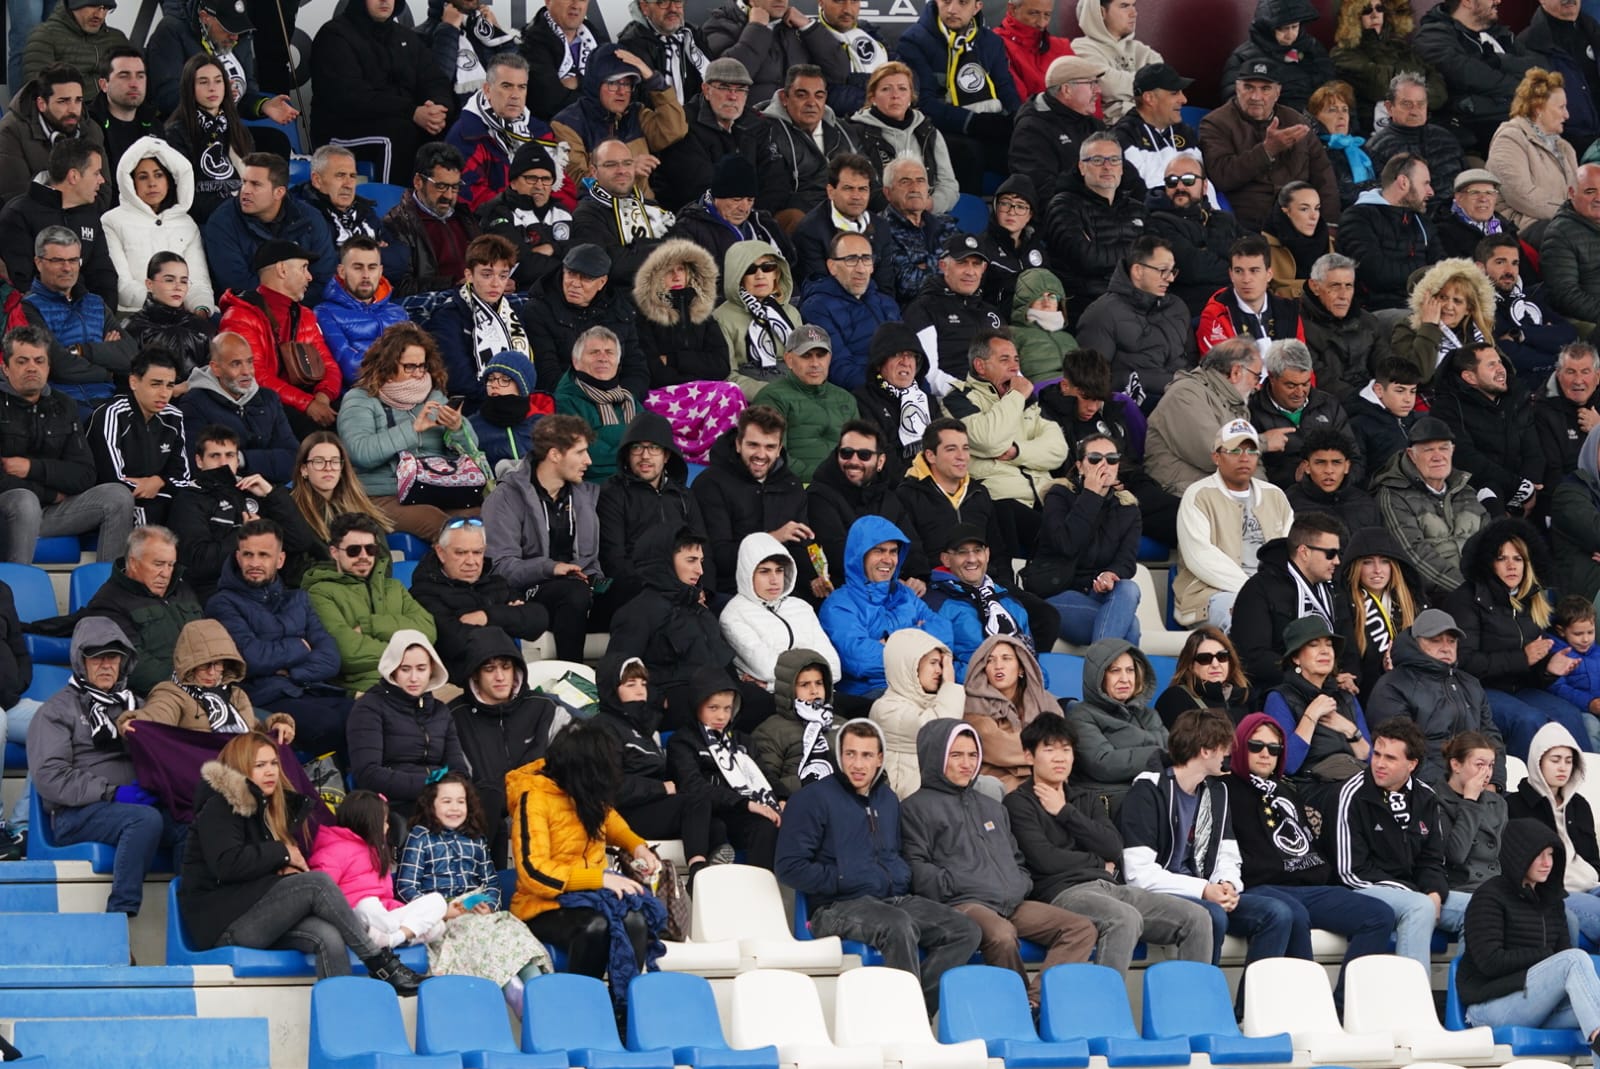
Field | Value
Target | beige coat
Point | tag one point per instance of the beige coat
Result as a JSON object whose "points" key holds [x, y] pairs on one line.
{"points": [[1211, 540], [904, 706], [1533, 180], [199, 643], [664, 124]]}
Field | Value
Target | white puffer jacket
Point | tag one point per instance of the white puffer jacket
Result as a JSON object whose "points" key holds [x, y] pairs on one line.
{"points": [[134, 232], [759, 631]]}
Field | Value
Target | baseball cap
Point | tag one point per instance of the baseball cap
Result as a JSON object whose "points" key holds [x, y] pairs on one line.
{"points": [[1235, 431], [961, 534], [1431, 623], [1260, 70], [808, 337], [1159, 76], [231, 13], [959, 246]]}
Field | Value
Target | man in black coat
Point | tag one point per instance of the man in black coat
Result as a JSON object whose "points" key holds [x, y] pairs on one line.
{"points": [[938, 494], [1347, 342], [1477, 191], [1495, 438], [1289, 402], [849, 189], [1092, 220], [1565, 410], [1052, 125], [850, 484], [649, 490], [1294, 579], [558, 42], [570, 301], [1407, 130], [748, 487], [66, 197], [459, 587], [1200, 234], [1387, 233], [1481, 63], [949, 310], [1527, 327], [1328, 485], [720, 124]]}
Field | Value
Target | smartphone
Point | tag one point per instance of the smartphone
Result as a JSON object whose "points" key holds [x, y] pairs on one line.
{"points": [[458, 401]]}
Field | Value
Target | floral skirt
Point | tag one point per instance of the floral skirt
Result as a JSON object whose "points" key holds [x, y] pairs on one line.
{"points": [[495, 946], [698, 412]]}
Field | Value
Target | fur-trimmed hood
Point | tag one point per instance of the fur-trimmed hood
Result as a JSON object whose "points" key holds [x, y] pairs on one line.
{"points": [[1456, 269], [1477, 556], [650, 292], [243, 797]]}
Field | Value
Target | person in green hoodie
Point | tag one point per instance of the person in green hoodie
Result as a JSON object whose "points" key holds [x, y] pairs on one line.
{"points": [[1039, 324], [816, 409], [359, 602]]}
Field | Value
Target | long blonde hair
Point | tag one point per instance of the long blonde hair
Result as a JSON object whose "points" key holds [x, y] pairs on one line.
{"points": [[1403, 601], [240, 755], [1529, 596], [348, 494]]}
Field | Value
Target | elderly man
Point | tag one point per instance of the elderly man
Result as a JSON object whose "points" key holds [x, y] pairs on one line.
{"points": [[914, 231], [46, 109], [47, 477], [616, 214], [1092, 220], [1153, 133], [719, 126], [815, 408], [802, 138], [1386, 231], [1570, 254], [1346, 341], [427, 220], [850, 180], [1253, 147], [591, 390], [1290, 403], [493, 124], [86, 348], [1481, 63], [661, 36], [463, 592], [725, 214], [1139, 325], [1495, 438], [1200, 233], [331, 190], [1564, 411], [848, 305], [949, 311], [1051, 126], [1527, 328], [148, 600], [1429, 506], [225, 392], [569, 302], [1407, 130], [262, 212], [80, 766], [1178, 451], [1224, 521], [1471, 216]]}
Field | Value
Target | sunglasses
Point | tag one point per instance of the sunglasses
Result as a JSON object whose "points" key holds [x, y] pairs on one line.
{"points": [[1372, 9], [463, 521], [767, 268], [1257, 745], [365, 549], [1173, 181], [1102, 458], [1330, 553], [1220, 657], [856, 454]]}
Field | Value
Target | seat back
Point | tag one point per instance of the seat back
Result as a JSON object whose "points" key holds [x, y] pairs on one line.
{"points": [[48, 679], [737, 902], [776, 1007], [1287, 995], [877, 1004], [984, 1002], [1454, 1016], [564, 1011], [1084, 1001], [1063, 674], [1187, 998], [671, 1010], [86, 581], [353, 1015], [456, 1014], [403, 570], [1385, 992], [31, 590], [1516, 771]]}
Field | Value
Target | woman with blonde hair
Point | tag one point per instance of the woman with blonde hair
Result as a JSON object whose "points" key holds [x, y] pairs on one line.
{"points": [[1535, 164], [890, 127], [1452, 305], [1379, 581], [325, 485], [1373, 44], [1210, 675]]}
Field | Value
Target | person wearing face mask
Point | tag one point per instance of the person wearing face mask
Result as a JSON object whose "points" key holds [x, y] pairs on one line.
{"points": [[505, 417], [1039, 323], [399, 732], [1279, 33]]}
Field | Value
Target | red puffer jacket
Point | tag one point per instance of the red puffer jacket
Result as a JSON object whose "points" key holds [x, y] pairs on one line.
{"points": [[244, 316]]}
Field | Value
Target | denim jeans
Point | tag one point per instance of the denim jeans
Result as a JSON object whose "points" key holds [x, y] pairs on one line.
{"points": [[898, 927], [1559, 992], [1268, 924], [1366, 923], [1219, 609], [136, 832], [1088, 618], [21, 18], [1123, 915], [1583, 914], [1521, 714], [1414, 919], [16, 721], [306, 912], [106, 507]]}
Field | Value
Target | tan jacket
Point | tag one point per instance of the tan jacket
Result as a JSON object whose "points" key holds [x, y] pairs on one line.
{"points": [[994, 425], [199, 643], [1533, 180], [1211, 540], [664, 124]]}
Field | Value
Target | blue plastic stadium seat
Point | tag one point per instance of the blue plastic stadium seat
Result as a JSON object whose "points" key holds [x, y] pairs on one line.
{"points": [[694, 473], [150, 1042], [571, 1013], [464, 1015], [36, 600], [409, 544], [1151, 550], [48, 679], [1063, 674], [355, 1024], [678, 1012], [42, 845], [1165, 668], [86, 580], [403, 570], [58, 549], [991, 1004], [1192, 114], [287, 129], [868, 953], [1091, 1002], [1525, 1042], [382, 195], [971, 214], [66, 939], [1189, 1000]]}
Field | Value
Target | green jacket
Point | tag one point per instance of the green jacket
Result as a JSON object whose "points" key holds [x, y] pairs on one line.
{"points": [[572, 401], [1039, 350], [816, 415], [379, 605], [375, 442], [59, 40]]}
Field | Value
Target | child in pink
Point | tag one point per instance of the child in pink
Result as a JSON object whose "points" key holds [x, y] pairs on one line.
{"points": [[355, 854]]}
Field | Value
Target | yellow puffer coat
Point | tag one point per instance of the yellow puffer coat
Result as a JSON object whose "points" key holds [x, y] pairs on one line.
{"points": [[551, 851]]}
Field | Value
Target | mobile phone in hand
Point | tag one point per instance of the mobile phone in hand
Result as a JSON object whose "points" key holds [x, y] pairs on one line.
{"points": [[458, 401]]}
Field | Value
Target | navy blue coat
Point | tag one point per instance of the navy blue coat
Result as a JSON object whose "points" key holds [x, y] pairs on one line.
{"points": [[922, 48], [451, 327], [849, 323], [267, 445], [268, 625], [831, 849], [232, 239]]}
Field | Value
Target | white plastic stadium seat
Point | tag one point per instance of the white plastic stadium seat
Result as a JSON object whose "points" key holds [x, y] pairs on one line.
{"points": [[1289, 995], [741, 902], [1154, 638], [883, 1006], [781, 1009], [1388, 993], [1516, 772]]}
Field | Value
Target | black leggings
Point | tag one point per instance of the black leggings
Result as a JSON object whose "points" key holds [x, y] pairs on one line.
{"points": [[673, 816], [576, 610], [585, 935]]}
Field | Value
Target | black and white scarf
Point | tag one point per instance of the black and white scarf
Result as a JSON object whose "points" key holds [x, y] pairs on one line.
{"points": [[1312, 599], [509, 134], [575, 57], [816, 762], [680, 48], [495, 328], [215, 163], [737, 768], [866, 52], [101, 708], [478, 32], [914, 415], [1449, 342], [1282, 819], [768, 332], [224, 717], [607, 396], [634, 216], [968, 83], [997, 619]]}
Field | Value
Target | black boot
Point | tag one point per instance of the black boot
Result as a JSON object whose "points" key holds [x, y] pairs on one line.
{"points": [[386, 966]]}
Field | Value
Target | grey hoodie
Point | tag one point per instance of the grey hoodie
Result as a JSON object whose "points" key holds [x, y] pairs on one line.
{"points": [[1116, 740], [68, 769], [201, 378], [958, 839]]}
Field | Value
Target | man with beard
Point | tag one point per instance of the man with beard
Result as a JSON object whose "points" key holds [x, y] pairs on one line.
{"points": [[1527, 328], [465, 35], [749, 487], [1495, 439], [616, 215], [263, 212], [208, 514], [426, 219], [27, 133], [649, 490], [848, 484], [1347, 342], [64, 195], [122, 111], [467, 596], [494, 123], [1201, 234], [1564, 412], [225, 392], [861, 52], [528, 215], [355, 307], [331, 190], [1386, 232], [659, 35], [290, 659]]}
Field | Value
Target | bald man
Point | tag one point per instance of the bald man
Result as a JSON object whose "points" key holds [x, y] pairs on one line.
{"points": [[616, 213], [225, 392]]}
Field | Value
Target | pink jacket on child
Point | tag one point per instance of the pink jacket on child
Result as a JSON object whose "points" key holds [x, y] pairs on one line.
{"points": [[344, 856]]}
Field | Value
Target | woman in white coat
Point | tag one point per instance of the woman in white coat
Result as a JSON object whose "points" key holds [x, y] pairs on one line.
{"points": [[156, 186], [765, 620], [921, 677]]}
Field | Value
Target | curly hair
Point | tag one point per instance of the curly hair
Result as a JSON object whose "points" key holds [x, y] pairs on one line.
{"points": [[1328, 92], [476, 826], [381, 365], [1534, 92]]}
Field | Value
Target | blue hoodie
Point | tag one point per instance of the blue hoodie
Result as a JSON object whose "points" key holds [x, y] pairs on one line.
{"points": [[860, 615]]}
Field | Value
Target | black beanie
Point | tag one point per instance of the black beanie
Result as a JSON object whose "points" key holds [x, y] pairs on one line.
{"points": [[735, 176], [530, 157], [889, 340]]}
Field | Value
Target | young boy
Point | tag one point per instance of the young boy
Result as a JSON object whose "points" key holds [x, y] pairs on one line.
{"points": [[709, 760], [1386, 411], [794, 746], [1574, 627]]}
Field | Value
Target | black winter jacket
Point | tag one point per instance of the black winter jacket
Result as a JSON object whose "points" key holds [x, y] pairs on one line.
{"points": [[1266, 605], [689, 757], [554, 326], [544, 50], [16, 666], [833, 503], [877, 405], [734, 504], [1343, 351], [48, 433], [1264, 825], [373, 76], [1089, 236], [695, 352], [1045, 140], [1303, 64], [1322, 412], [1351, 504], [932, 516], [667, 626], [207, 517], [1083, 534], [177, 330], [1527, 803], [950, 320], [40, 207], [644, 763], [630, 508], [1442, 699], [1067, 848], [396, 741], [1480, 86], [767, 51], [1555, 421], [447, 600], [1494, 633], [152, 622], [1147, 339], [1511, 926], [1388, 245], [1201, 237], [1431, 142], [1495, 439]]}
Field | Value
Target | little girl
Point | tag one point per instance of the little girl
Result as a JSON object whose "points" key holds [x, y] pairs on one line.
{"points": [[447, 854], [355, 853]]}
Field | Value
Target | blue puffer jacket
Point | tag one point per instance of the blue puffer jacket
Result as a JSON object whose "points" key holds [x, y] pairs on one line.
{"points": [[272, 626], [350, 326], [922, 48], [849, 323], [232, 238], [947, 596], [860, 615]]}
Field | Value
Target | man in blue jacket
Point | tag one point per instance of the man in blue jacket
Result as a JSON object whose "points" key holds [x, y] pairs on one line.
{"points": [[264, 211], [839, 844], [356, 307], [872, 604], [961, 592], [848, 304]]}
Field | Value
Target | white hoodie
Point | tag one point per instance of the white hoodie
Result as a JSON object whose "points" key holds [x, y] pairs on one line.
{"points": [[1581, 876], [1122, 56], [134, 232], [759, 631]]}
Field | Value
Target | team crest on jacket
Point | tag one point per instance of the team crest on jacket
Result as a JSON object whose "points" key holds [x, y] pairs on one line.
{"points": [[1035, 258]]}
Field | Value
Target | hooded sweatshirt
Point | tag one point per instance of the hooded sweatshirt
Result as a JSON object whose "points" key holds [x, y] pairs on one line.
{"points": [[1122, 56], [999, 721], [755, 354], [796, 746], [134, 231], [1277, 844], [396, 740], [958, 839], [905, 706], [1162, 852], [1511, 926], [761, 631], [181, 701], [668, 625], [629, 507], [644, 763], [1568, 815], [1116, 740], [70, 764], [717, 766]]}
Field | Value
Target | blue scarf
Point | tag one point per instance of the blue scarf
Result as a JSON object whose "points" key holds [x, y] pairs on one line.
{"points": [[1360, 163], [623, 966]]}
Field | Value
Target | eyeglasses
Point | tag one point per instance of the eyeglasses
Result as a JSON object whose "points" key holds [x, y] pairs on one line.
{"points": [[846, 453], [442, 187], [1241, 451], [1012, 206], [1168, 273], [766, 267], [859, 259], [1173, 181], [1220, 657], [1101, 161], [1102, 458], [1258, 745], [360, 549], [61, 261], [324, 463], [647, 449], [462, 521], [414, 369], [537, 179], [728, 87], [1331, 554]]}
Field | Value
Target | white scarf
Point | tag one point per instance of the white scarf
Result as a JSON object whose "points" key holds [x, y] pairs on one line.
{"points": [[511, 135], [769, 330], [1047, 320], [477, 32], [495, 328], [866, 53], [913, 411], [1449, 342], [737, 767], [575, 54]]}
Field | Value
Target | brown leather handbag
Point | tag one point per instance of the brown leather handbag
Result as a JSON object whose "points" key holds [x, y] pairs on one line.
{"points": [[301, 365]]}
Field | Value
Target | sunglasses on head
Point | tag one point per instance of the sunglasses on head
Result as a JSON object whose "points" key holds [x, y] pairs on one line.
{"points": [[767, 268], [846, 453], [1220, 657], [1257, 745], [364, 549], [463, 521], [1186, 180]]}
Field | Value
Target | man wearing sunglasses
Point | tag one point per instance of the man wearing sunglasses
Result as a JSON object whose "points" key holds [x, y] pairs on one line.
{"points": [[1201, 234], [1294, 581], [1153, 133]]}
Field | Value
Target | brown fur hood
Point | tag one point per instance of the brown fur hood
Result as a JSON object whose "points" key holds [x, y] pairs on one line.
{"points": [[233, 786], [650, 285]]}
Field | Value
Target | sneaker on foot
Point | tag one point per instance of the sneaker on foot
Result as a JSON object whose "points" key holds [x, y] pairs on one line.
{"points": [[723, 855]]}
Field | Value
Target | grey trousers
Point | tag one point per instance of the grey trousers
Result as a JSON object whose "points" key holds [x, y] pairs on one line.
{"points": [[305, 912], [898, 927], [1123, 914], [107, 508]]}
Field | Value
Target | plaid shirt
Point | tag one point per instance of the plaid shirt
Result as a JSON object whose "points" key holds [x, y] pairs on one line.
{"points": [[448, 862]]}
